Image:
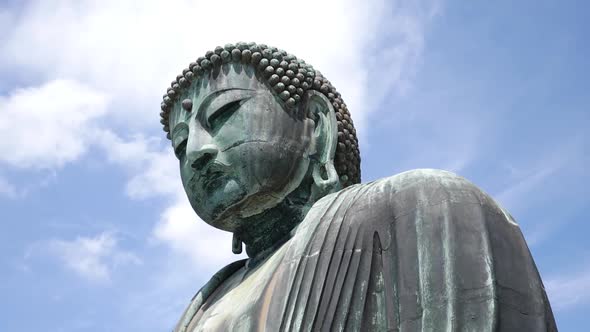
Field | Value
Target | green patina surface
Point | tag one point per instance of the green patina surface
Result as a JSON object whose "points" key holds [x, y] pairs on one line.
{"points": [[267, 151]]}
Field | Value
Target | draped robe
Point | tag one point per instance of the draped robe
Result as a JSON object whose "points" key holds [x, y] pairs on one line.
{"points": [[423, 250]]}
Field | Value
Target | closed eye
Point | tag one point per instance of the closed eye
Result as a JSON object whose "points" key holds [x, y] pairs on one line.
{"points": [[180, 149], [179, 139], [221, 115]]}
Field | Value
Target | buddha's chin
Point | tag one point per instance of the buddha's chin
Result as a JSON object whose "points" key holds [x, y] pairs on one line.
{"points": [[224, 201], [228, 203]]}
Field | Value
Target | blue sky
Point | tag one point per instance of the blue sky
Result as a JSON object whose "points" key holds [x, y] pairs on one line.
{"points": [[96, 233]]}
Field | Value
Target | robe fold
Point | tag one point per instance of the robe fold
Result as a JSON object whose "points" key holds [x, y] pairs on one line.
{"points": [[423, 250]]}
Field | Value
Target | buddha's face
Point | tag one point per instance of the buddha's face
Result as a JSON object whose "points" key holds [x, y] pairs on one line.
{"points": [[241, 152]]}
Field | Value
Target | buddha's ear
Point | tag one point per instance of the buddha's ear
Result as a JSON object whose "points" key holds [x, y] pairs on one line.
{"points": [[324, 142]]}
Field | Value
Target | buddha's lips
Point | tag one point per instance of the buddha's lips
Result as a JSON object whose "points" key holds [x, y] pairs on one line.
{"points": [[210, 180], [209, 174]]}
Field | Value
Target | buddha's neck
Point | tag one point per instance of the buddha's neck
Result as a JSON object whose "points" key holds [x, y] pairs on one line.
{"points": [[266, 231]]}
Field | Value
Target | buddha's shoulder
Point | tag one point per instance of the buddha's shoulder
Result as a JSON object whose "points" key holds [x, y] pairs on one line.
{"points": [[355, 214], [428, 182], [419, 189]]}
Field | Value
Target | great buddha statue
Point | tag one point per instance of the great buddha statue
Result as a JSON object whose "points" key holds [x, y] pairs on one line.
{"points": [[268, 151]]}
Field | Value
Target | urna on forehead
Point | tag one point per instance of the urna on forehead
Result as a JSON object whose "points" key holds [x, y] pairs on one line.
{"points": [[288, 77]]}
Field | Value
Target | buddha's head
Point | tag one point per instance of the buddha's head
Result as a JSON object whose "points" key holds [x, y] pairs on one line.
{"points": [[254, 127]]}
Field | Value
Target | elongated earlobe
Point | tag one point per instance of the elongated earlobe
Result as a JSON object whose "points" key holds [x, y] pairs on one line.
{"points": [[325, 138], [236, 246], [325, 178]]}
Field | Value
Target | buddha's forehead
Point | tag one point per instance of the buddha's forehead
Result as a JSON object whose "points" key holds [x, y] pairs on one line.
{"points": [[228, 76]]}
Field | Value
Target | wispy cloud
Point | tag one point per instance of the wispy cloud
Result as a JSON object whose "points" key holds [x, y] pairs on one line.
{"points": [[556, 174], [567, 291], [398, 48], [514, 194], [8, 190], [20, 191], [92, 258]]}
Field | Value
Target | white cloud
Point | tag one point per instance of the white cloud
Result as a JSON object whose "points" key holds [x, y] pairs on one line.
{"points": [[154, 168], [186, 234], [92, 258], [47, 126], [133, 50], [567, 291]]}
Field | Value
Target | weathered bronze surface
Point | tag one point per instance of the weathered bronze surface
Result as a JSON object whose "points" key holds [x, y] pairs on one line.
{"points": [[268, 151]]}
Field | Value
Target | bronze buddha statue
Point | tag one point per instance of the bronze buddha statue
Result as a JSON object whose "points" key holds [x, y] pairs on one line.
{"points": [[268, 151]]}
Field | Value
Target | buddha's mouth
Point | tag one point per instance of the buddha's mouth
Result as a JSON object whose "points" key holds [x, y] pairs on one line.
{"points": [[212, 181], [211, 177]]}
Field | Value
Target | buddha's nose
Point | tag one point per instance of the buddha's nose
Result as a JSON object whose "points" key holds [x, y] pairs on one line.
{"points": [[200, 158]]}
